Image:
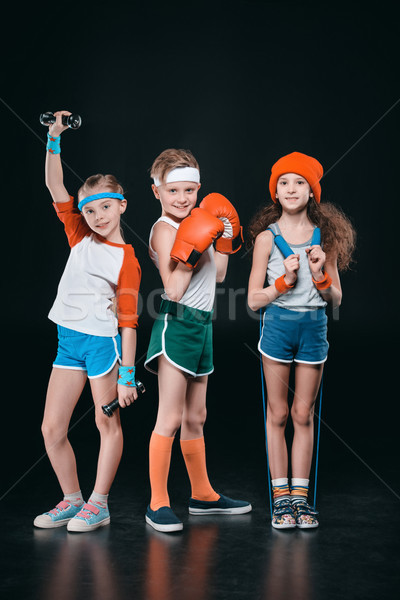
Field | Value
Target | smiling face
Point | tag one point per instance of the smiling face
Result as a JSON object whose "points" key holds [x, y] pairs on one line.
{"points": [[293, 192], [177, 199], [103, 217]]}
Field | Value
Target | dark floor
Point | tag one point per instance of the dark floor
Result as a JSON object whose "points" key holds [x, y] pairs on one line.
{"points": [[355, 553]]}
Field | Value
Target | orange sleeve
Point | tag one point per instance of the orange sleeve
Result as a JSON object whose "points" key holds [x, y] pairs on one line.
{"points": [[75, 225], [128, 290]]}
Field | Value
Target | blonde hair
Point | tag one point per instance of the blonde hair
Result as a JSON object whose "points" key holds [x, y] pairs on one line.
{"points": [[105, 182], [169, 159]]}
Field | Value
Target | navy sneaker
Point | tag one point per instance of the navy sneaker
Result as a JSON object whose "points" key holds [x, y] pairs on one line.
{"points": [[223, 505], [163, 519]]}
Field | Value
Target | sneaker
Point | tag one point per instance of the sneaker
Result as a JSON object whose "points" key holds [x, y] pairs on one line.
{"points": [[163, 519], [223, 505], [90, 517], [282, 515], [58, 516], [305, 514]]}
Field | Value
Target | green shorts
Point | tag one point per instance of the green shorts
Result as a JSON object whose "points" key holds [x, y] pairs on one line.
{"points": [[184, 336]]}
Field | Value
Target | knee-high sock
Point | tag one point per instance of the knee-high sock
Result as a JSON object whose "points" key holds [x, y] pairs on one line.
{"points": [[159, 461], [194, 453]]}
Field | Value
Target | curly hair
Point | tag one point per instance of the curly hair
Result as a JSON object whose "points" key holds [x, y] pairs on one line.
{"points": [[337, 232]]}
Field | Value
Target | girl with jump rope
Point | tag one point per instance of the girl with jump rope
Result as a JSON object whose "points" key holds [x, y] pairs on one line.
{"points": [[97, 297], [299, 246]]}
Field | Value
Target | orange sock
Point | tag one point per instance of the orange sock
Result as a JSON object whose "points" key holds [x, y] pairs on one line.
{"points": [[159, 461], [194, 453]]}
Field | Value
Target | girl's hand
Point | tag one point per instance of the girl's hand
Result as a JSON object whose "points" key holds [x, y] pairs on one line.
{"points": [[56, 129], [126, 395], [316, 260], [292, 265]]}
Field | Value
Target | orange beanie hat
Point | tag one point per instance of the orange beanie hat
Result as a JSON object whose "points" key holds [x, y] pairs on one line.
{"points": [[296, 162]]}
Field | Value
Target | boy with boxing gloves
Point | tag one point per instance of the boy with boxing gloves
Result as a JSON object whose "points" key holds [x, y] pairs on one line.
{"points": [[180, 351]]}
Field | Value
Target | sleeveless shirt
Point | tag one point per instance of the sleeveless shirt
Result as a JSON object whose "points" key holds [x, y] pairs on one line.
{"points": [[200, 293], [304, 296]]}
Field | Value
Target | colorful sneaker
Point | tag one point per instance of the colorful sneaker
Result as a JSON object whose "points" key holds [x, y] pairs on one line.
{"points": [[163, 519], [90, 517], [223, 505], [58, 516], [305, 514], [283, 515]]}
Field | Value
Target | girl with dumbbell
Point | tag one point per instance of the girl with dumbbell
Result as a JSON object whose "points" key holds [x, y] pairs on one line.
{"points": [[180, 348], [96, 315]]}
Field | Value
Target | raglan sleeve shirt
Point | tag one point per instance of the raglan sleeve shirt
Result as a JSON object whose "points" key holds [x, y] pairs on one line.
{"points": [[99, 276]]}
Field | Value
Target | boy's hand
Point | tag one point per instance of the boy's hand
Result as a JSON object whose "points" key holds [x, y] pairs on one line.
{"points": [[56, 129]]}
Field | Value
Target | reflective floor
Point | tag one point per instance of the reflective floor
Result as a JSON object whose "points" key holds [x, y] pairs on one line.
{"points": [[354, 554]]}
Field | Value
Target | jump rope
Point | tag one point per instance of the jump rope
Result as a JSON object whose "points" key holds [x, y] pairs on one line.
{"points": [[284, 247]]}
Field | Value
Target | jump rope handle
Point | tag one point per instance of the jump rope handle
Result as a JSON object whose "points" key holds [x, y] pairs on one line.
{"points": [[109, 409], [71, 121]]}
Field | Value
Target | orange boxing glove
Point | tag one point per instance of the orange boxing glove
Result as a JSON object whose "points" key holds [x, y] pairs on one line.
{"points": [[232, 238], [195, 234]]}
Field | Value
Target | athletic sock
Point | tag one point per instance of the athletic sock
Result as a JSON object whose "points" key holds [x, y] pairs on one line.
{"points": [[194, 454], [76, 498], [99, 499], [159, 461], [280, 489], [299, 489]]}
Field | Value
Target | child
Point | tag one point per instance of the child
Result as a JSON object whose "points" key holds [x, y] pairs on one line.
{"points": [[102, 272], [295, 324], [180, 349]]}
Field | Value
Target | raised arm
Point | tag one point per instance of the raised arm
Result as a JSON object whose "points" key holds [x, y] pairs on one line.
{"points": [[53, 167]]}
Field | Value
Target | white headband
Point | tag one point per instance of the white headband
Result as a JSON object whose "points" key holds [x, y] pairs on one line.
{"points": [[180, 174]]}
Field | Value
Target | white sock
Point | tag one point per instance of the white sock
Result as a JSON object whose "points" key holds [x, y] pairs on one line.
{"points": [[100, 499], [76, 498]]}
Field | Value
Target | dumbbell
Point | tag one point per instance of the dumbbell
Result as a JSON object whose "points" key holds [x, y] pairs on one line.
{"points": [[72, 121], [108, 409]]}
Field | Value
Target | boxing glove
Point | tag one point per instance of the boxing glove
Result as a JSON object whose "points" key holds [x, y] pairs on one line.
{"points": [[232, 238], [195, 234]]}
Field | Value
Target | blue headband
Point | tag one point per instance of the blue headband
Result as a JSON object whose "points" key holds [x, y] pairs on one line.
{"points": [[98, 197]]}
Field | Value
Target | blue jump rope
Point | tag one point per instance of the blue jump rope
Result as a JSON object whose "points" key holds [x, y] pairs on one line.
{"points": [[286, 251]]}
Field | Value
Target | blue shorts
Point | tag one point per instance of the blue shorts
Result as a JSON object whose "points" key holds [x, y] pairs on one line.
{"points": [[83, 352], [290, 335]]}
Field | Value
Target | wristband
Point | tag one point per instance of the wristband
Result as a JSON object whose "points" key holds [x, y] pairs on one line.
{"points": [[325, 283], [126, 376], [53, 144], [282, 286]]}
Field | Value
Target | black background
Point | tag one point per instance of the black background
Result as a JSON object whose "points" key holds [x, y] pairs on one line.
{"points": [[239, 85]]}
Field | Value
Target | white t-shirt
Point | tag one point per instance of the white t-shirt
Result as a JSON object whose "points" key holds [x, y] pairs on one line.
{"points": [[98, 291]]}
